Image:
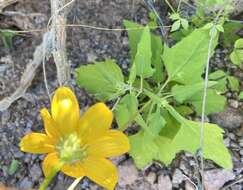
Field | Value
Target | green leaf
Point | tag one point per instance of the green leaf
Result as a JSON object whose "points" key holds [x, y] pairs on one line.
{"points": [[235, 58], [143, 56], [241, 95], [217, 75], [184, 23], [188, 139], [13, 166], [175, 16], [239, 43], [233, 83], [103, 79], [155, 123], [143, 149], [134, 34], [184, 110], [214, 102], [220, 28], [184, 92], [237, 55], [175, 26], [126, 111], [230, 33], [185, 61], [7, 37], [220, 77], [157, 49]]}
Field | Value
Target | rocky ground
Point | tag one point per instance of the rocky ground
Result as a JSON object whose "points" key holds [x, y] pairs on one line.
{"points": [[84, 46]]}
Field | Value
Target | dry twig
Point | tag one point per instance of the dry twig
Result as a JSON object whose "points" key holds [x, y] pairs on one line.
{"points": [[54, 42]]}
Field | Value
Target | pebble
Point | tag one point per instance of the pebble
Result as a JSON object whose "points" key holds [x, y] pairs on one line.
{"points": [[25, 183], [128, 173], [234, 103], [164, 183], [35, 172], [177, 177], [231, 118], [216, 178]]}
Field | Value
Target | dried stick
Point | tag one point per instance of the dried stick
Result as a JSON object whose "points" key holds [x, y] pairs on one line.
{"points": [[5, 3], [59, 40], [54, 42]]}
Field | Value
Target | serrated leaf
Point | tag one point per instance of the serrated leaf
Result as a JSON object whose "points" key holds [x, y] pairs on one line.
{"points": [[175, 26], [103, 79], [187, 139], [164, 149], [214, 102], [126, 111], [185, 61], [233, 83], [143, 56], [184, 92], [143, 150]]}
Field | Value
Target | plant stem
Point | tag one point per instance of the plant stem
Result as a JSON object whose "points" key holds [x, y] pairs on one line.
{"points": [[52, 174]]}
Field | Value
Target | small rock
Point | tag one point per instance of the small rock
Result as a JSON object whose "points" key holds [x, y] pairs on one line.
{"points": [[230, 118], [35, 172], [177, 177], [151, 178], [25, 183], [128, 173], [216, 178], [236, 187], [164, 182], [241, 142], [234, 103]]}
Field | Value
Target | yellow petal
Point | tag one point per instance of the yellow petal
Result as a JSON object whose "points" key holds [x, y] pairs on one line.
{"points": [[49, 124], [113, 143], [75, 170], [50, 161], [37, 143], [101, 171], [95, 122], [65, 110]]}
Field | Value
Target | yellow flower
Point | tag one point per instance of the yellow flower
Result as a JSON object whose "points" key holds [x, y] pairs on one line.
{"points": [[83, 144]]}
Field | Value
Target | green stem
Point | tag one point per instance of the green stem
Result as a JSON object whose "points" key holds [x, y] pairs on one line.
{"points": [[168, 3], [52, 174]]}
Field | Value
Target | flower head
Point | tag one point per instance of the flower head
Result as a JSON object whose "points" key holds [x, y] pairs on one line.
{"points": [[83, 144]]}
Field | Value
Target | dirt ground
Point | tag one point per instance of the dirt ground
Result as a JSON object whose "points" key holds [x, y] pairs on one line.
{"points": [[85, 46]]}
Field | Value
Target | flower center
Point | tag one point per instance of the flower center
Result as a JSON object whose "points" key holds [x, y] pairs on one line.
{"points": [[70, 149]]}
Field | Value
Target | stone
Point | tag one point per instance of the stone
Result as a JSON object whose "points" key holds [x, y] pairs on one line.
{"points": [[231, 118], [177, 177], [35, 172], [164, 182], [25, 183], [128, 173], [216, 178]]}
